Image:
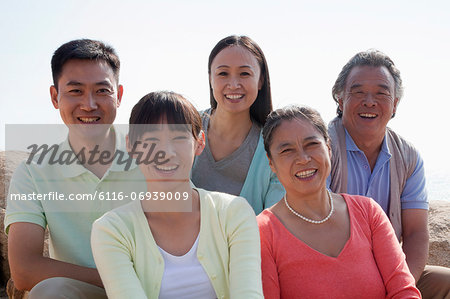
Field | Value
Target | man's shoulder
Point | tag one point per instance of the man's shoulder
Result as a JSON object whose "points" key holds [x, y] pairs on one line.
{"points": [[400, 141], [403, 152]]}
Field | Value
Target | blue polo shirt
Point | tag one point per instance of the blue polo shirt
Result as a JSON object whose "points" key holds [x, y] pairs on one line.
{"points": [[376, 184]]}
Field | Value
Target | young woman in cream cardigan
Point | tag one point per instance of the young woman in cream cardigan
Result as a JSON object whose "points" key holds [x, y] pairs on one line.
{"points": [[198, 244]]}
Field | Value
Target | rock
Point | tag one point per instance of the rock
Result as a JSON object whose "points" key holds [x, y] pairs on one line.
{"points": [[439, 225], [4, 267], [14, 293], [8, 163]]}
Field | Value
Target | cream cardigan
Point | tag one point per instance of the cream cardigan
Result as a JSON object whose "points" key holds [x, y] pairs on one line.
{"points": [[131, 265]]}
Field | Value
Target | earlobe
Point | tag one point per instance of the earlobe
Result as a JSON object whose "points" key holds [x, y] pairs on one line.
{"points": [[395, 106], [330, 152], [271, 164], [200, 143], [128, 144], [210, 80], [260, 83], [54, 96], [119, 95], [340, 104]]}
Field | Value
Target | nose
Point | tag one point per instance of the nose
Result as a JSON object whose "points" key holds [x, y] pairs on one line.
{"points": [[303, 157], [234, 82], [369, 100], [88, 103], [168, 148]]}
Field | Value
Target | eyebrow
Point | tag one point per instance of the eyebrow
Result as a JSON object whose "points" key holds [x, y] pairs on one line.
{"points": [[359, 85], [383, 86], [242, 66], [149, 138], [104, 82], [311, 138], [285, 144], [355, 86], [76, 83]]}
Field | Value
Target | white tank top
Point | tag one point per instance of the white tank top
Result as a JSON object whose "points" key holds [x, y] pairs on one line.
{"points": [[184, 276]]}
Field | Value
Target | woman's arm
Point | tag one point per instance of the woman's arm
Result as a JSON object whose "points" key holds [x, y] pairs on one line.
{"points": [[271, 283], [244, 247], [113, 260], [389, 257]]}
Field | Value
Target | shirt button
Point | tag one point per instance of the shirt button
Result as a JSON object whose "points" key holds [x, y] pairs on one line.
{"points": [[200, 256], [213, 276], [365, 166]]}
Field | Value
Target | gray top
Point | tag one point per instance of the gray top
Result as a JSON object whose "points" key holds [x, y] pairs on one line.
{"points": [[227, 175]]}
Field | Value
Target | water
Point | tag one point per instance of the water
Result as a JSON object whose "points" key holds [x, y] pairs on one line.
{"points": [[438, 185]]}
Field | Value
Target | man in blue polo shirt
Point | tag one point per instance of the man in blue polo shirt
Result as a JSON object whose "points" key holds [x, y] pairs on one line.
{"points": [[372, 160], [87, 93]]}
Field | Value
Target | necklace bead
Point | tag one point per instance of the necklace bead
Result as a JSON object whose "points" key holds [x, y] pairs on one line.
{"points": [[311, 220]]}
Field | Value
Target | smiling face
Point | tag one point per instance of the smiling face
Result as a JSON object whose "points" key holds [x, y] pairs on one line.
{"points": [[300, 157], [179, 148], [88, 93], [368, 101], [235, 79]]}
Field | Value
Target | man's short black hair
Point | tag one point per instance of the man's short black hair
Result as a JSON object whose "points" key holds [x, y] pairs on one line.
{"points": [[84, 49]]}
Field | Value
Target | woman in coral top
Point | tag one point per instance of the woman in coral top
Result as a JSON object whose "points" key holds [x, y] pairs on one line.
{"points": [[317, 244]]}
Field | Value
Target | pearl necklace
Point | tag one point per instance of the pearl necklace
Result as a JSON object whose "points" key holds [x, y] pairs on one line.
{"points": [[311, 220]]}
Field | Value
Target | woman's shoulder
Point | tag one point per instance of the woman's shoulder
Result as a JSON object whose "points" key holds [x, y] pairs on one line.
{"points": [[268, 221], [225, 205], [205, 112], [362, 204], [222, 200], [265, 218], [119, 216], [358, 200]]}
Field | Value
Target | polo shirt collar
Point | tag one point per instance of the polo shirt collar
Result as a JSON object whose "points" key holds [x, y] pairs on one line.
{"points": [[121, 146], [73, 169], [351, 146], [76, 169]]}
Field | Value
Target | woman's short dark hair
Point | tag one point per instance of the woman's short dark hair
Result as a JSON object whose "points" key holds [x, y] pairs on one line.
{"points": [[263, 103], [276, 117], [155, 106]]}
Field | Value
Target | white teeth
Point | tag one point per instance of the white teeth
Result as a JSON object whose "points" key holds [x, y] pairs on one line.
{"points": [[234, 96], [368, 115], [88, 119], [305, 174], [166, 168]]}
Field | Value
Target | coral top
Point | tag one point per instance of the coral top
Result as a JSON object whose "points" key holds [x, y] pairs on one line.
{"points": [[371, 264]]}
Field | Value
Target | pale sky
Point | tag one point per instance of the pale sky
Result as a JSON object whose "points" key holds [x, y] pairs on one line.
{"points": [[164, 45]]}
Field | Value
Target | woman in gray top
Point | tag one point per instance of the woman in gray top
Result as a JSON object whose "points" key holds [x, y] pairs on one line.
{"points": [[234, 160]]}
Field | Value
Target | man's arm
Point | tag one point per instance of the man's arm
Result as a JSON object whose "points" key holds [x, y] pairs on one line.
{"points": [[29, 266], [415, 239]]}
